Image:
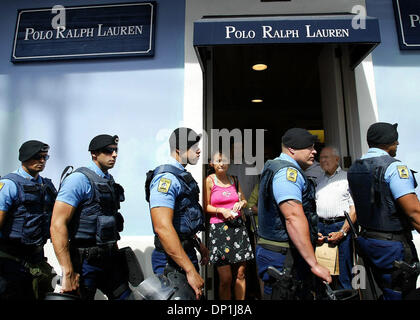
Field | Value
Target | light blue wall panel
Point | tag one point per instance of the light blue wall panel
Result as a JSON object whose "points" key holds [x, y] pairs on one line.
{"points": [[67, 103], [397, 81]]}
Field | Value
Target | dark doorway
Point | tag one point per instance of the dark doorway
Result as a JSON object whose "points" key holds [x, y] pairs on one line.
{"points": [[289, 88]]}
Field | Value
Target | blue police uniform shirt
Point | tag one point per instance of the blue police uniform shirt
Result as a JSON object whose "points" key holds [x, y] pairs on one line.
{"points": [[9, 191], [76, 187], [165, 187], [400, 184], [284, 188]]}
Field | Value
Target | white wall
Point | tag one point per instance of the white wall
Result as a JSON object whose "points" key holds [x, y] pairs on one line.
{"points": [[366, 97]]}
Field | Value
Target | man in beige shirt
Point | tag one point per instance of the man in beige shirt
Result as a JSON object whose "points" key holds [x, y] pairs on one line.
{"points": [[332, 199]]}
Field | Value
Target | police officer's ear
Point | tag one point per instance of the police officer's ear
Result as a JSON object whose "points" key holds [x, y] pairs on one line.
{"points": [[94, 155], [177, 152]]}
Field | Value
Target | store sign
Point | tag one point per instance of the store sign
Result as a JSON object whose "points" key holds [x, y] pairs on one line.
{"points": [[407, 15], [292, 29], [112, 30]]}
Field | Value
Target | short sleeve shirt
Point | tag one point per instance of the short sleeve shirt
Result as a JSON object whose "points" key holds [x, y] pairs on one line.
{"points": [[9, 191], [333, 195], [76, 187], [165, 187], [399, 178], [288, 183]]}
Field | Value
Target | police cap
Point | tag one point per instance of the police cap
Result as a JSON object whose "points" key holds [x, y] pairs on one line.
{"points": [[382, 133], [30, 148], [298, 138], [183, 137], [102, 141]]}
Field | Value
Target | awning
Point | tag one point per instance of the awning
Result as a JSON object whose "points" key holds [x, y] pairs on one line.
{"points": [[328, 29]]}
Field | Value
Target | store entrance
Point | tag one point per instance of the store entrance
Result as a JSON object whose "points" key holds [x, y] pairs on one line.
{"points": [[302, 85], [286, 94]]}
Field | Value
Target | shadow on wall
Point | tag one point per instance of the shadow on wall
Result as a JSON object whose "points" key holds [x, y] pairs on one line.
{"points": [[144, 258]]}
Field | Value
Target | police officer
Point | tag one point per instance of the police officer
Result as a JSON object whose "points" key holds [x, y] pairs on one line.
{"points": [[26, 202], [86, 223], [287, 220], [387, 209], [175, 210]]}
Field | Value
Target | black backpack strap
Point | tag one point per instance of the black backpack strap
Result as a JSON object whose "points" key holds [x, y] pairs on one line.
{"points": [[414, 178], [65, 174], [149, 177]]}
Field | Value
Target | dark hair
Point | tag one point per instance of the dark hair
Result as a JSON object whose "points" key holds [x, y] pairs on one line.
{"points": [[209, 170], [183, 133], [215, 152]]}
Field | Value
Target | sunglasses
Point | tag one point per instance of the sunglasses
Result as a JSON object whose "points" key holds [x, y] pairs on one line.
{"points": [[40, 156], [109, 150]]}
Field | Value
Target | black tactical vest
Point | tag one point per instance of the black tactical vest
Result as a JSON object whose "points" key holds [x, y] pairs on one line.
{"points": [[375, 206], [98, 218], [188, 213], [30, 216], [271, 222]]}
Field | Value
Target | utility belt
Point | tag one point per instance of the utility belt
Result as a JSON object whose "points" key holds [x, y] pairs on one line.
{"points": [[94, 253], [283, 283], [125, 259], [172, 268], [276, 246], [331, 220], [402, 236], [400, 280], [187, 242]]}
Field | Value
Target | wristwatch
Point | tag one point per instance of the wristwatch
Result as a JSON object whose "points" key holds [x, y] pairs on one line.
{"points": [[343, 232]]}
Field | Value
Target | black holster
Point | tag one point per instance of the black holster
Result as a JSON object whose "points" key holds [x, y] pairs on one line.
{"points": [[286, 287], [401, 279]]}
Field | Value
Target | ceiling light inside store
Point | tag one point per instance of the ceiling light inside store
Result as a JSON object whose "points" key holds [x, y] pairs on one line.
{"points": [[257, 100], [259, 67]]}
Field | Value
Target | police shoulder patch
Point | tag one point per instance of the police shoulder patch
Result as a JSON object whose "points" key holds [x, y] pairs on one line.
{"points": [[164, 185], [291, 174], [1, 185], [403, 172]]}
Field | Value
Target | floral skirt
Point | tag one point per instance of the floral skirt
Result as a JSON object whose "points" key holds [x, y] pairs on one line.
{"points": [[229, 243]]}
